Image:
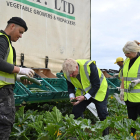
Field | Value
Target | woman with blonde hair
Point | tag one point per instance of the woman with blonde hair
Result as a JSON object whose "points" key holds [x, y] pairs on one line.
{"points": [[130, 86]]}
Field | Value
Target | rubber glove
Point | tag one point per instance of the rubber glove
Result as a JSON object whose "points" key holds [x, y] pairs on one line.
{"points": [[122, 94], [135, 82], [26, 71], [118, 88]]}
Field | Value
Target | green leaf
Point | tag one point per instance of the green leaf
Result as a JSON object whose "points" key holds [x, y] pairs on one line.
{"points": [[38, 126], [53, 117], [119, 125], [52, 129]]}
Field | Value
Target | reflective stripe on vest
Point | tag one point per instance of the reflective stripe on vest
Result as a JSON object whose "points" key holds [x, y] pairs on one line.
{"points": [[6, 78], [133, 90]]}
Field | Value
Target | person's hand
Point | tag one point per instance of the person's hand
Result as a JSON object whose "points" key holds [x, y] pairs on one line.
{"points": [[26, 71], [79, 99], [25, 82], [122, 94], [135, 82], [71, 99]]}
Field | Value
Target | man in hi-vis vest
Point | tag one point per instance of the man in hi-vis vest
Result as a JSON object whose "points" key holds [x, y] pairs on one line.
{"points": [[9, 73], [90, 85], [119, 62]]}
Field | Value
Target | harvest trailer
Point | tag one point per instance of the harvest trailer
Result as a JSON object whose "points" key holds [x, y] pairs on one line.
{"points": [[57, 29]]}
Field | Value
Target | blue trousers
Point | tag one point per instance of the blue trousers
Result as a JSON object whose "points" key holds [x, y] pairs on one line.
{"points": [[101, 107]]}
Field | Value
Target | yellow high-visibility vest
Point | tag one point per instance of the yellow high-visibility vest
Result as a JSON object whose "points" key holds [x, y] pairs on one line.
{"points": [[132, 74], [85, 85], [120, 74], [6, 78]]}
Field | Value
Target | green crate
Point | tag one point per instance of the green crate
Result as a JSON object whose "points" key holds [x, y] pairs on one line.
{"points": [[20, 94], [19, 90], [61, 95], [19, 99], [37, 93], [60, 75], [59, 84], [41, 97], [45, 87], [112, 88], [115, 81], [112, 74]]}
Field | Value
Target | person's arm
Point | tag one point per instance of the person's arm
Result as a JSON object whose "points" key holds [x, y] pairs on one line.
{"points": [[94, 80], [10, 68], [71, 89], [122, 84], [122, 90], [16, 69], [4, 66]]}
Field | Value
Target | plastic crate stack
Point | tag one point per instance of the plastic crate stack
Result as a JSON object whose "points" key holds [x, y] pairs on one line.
{"points": [[113, 83], [20, 94], [51, 89], [60, 85]]}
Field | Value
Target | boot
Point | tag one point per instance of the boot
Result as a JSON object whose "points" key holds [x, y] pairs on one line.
{"points": [[106, 131]]}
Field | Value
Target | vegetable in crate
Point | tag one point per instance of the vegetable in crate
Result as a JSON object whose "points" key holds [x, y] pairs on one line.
{"points": [[33, 80], [34, 90]]}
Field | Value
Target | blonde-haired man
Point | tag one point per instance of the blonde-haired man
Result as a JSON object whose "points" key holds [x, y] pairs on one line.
{"points": [[90, 84]]}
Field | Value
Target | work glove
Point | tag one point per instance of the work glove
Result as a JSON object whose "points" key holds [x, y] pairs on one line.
{"points": [[26, 71], [135, 82], [118, 88], [122, 94], [116, 75]]}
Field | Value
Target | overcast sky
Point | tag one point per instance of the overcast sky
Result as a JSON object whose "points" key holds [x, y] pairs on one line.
{"points": [[113, 23]]}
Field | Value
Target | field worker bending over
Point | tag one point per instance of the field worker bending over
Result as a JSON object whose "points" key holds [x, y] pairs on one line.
{"points": [[13, 31], [130, 86], [90, 84]]}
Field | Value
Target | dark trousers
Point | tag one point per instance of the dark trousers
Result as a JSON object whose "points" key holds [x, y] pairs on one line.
{"points": [[133, 113], [101, 107], [7, 112]]}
